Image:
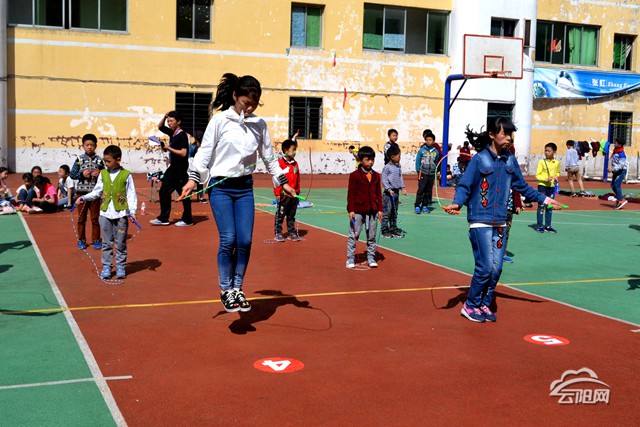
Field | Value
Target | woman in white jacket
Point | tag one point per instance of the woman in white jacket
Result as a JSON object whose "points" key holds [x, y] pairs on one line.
{"points": [[234, 139]]}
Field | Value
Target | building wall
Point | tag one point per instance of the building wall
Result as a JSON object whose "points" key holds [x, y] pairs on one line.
{"points": [[64, 83], [558, 120]]}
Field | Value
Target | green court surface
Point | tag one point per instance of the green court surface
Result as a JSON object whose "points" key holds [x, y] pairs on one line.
{"points": [[590, 263], [45, 379]]}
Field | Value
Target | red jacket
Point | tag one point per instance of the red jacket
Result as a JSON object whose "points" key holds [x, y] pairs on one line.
{"points": [[364, 197], [292, 172]]}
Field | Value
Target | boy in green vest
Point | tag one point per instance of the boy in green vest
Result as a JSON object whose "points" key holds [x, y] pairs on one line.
{"points": [[118, 194]]}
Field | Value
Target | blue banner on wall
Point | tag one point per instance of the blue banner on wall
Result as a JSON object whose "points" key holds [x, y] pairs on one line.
{"points": [[564, 83]]}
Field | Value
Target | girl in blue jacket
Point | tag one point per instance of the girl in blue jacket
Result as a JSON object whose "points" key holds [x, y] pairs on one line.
{"points": [[484, 188]]}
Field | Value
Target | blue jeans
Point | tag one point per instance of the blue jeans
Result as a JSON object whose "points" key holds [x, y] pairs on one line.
{"points": [[233, 209], [25, 196], [547, 191], [488, 245], [616, 183]]}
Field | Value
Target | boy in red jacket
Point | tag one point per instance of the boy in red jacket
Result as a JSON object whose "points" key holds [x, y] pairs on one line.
{"points": [[287, 206], [364, 204]]}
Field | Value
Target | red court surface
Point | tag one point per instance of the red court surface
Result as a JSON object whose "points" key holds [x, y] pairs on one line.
{"points": [[385, 346]]}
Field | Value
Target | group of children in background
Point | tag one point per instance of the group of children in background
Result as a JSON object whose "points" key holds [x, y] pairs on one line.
{"points": [[104, 192]]}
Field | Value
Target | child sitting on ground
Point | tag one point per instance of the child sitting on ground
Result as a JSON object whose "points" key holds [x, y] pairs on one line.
{"points": [[66, 188], [47, 202], [287, 206], [26, 192], [392, 184], [117, 193], [6, 199], [364, 204]]}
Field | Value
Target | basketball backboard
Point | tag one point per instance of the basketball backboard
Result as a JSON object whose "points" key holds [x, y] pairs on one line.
{"points": [[492, 56]]}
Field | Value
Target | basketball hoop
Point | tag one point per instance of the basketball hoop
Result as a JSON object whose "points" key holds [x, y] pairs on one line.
{"points": [[503, 74], [493, 57]]}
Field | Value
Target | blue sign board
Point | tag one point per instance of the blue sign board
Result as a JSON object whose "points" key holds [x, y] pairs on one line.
{"points": [[567, 83]]}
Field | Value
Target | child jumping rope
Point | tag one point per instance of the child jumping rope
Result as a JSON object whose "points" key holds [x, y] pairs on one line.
{"points": [[116, 194], [484, 188], [225, 161]]}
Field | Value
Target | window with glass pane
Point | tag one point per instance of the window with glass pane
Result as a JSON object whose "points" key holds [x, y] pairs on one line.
{"points": [[544, 40], [194, 107], [48, 13], [416, 41], [408, 30], [193, 19], [84, 14], [503, 27], [90, 14], [621, 123], [437, 33], [393, 39], [582, 45], [306, 26], [373, 27], [622, 47], [113, 15], [20, 12], [305, 115]]}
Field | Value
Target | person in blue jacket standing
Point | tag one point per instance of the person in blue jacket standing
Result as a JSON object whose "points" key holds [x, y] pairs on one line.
{"points": [[484, 188]]}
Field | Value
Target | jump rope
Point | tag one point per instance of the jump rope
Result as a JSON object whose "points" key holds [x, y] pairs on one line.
{"points": [[555, 192], [95, 265], [236, 174]]}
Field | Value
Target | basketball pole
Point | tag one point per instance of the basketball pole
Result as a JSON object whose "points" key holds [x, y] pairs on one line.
{"points": [[445, 131]]}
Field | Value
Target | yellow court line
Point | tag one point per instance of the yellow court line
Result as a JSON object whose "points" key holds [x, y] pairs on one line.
{"points": [[321, 294]]}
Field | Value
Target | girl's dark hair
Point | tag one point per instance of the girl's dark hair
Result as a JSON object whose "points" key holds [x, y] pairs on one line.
{"points": [[242, 86], [113, 151], [494, 126], [40, 180], [366, 151], [36, 167], [27, 176]]}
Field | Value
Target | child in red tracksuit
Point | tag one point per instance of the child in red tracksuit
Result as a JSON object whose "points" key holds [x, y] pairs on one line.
{"points": [[364, 204], [287, 206]]}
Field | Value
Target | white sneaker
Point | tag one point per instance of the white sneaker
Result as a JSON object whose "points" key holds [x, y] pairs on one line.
{"points": [[619, 205], [183, 224], [351, 264], [373, 264], [158, 222]]}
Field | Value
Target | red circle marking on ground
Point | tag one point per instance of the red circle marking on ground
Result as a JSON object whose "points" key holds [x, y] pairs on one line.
{"points": [[549, 340], [278, 365]]}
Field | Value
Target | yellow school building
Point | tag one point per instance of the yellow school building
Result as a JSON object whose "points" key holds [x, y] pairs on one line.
{"points": [[342, 72]]}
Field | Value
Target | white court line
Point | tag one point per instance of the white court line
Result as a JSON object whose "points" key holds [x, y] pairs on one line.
{"points": [[469, 275], [82, 343], [78, 380]]}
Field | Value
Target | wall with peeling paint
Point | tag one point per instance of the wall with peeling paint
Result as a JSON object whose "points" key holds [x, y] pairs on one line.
{"points": [[559, 120], [64, 83]]}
